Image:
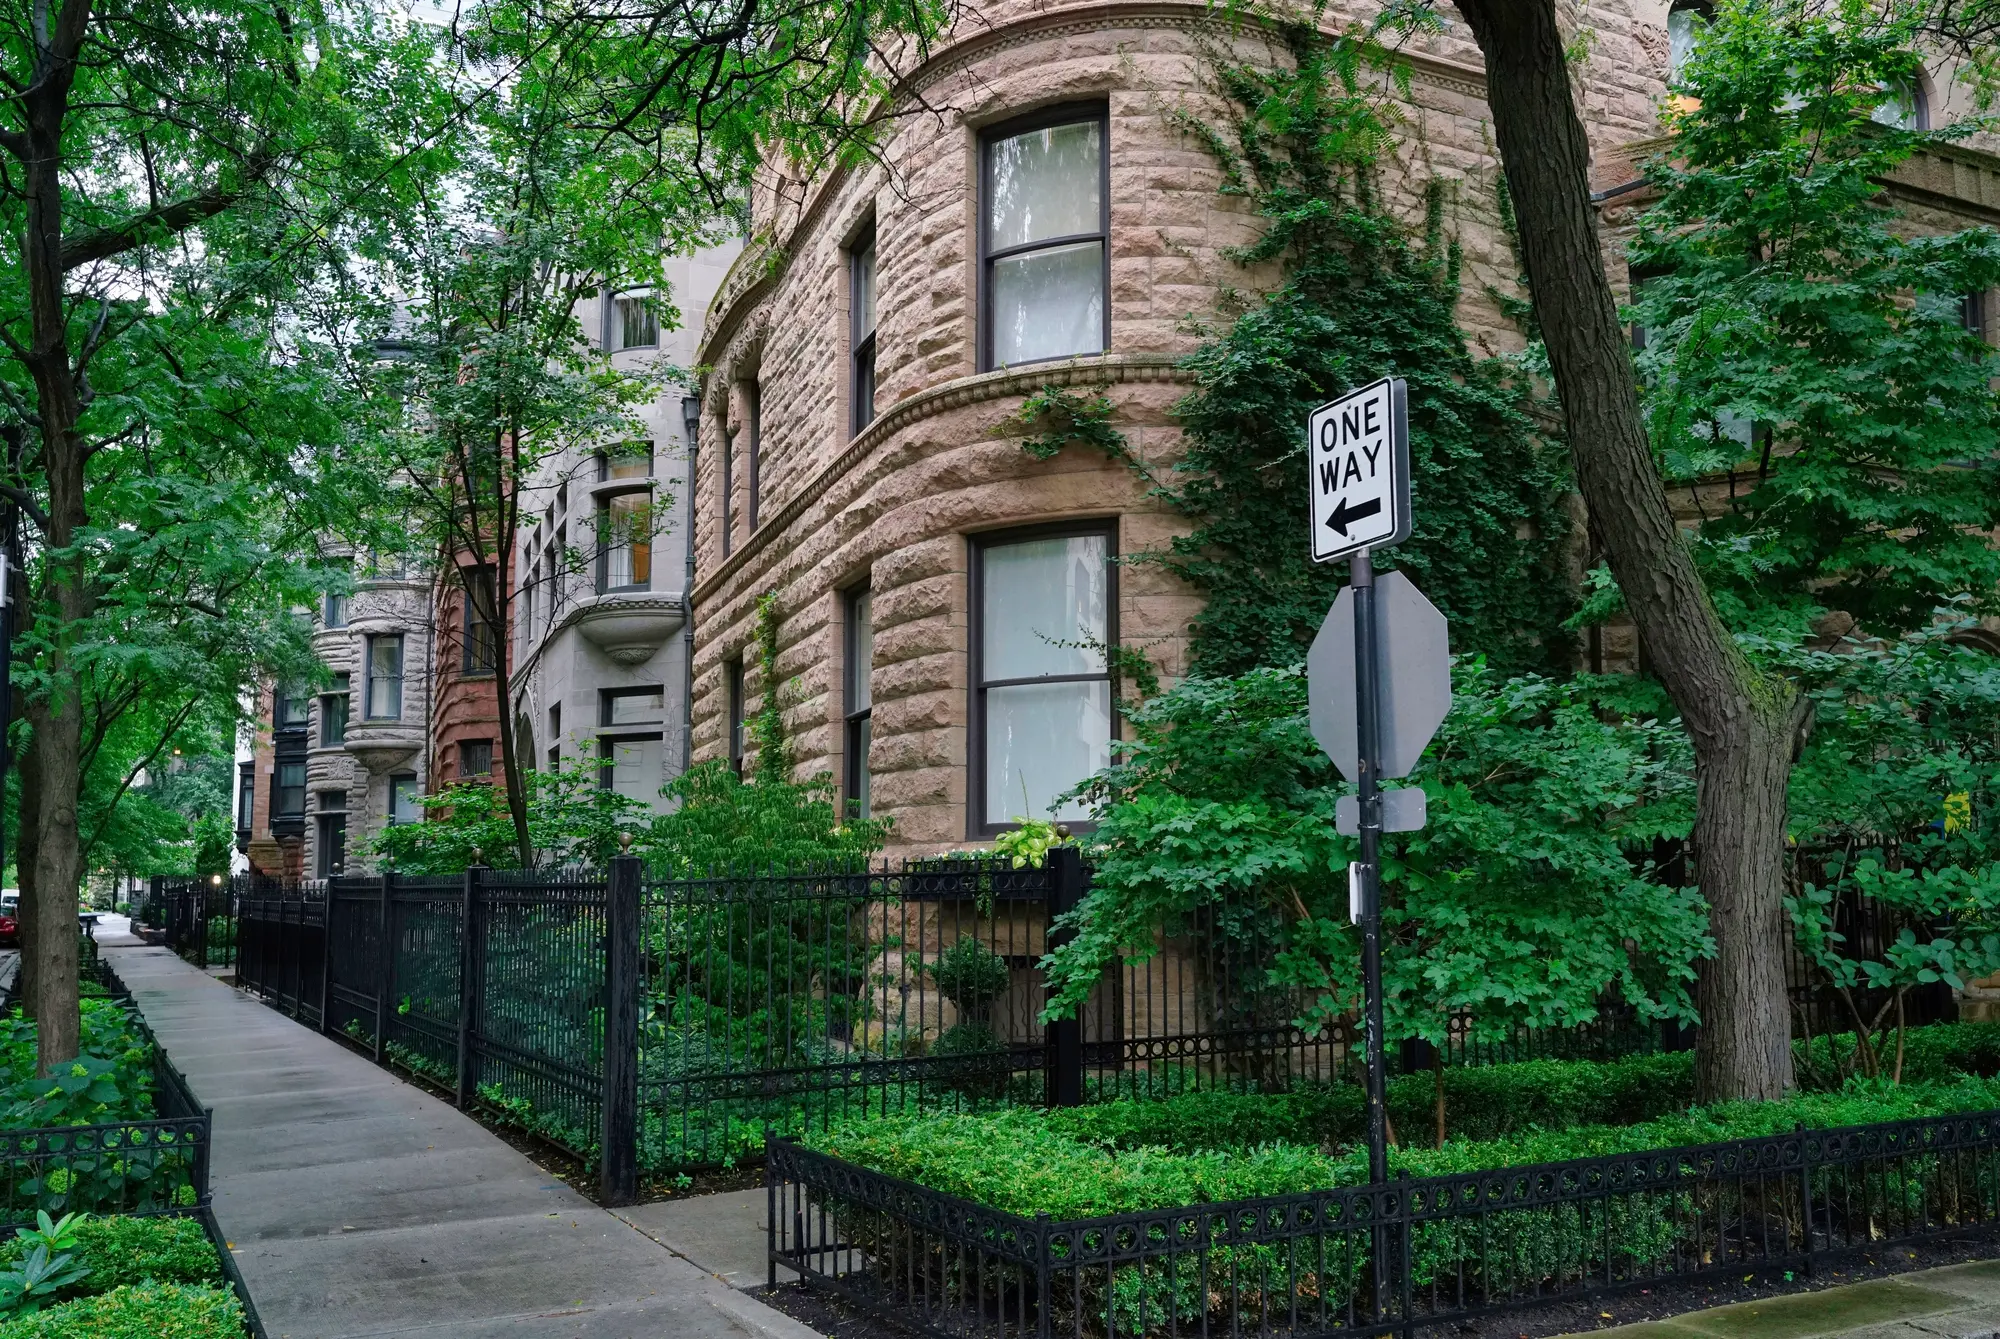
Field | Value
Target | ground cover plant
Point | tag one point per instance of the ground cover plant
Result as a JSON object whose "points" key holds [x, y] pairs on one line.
{"points": [[85, 1277], [1214, 1147]]}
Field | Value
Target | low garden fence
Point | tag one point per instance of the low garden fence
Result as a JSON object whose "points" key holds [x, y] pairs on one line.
{"points": [[197, 918], [1398, 1257]]}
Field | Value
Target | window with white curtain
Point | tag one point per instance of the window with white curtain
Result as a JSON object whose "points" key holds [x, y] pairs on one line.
{"points": [[385, 678], [1043, 695], [1045, 228], [1685, 22]]}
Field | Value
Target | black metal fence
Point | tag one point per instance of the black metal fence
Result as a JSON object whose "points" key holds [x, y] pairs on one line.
{"points": [[654, 1026], [197, 918], [154, 1166], [1365, 1260]]}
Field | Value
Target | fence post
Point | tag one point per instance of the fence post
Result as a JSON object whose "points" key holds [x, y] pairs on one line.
{"points": [[1063, 1042], [385, 972], [1805, 1193], [326, 957], [618, 1144], [470, 950]]}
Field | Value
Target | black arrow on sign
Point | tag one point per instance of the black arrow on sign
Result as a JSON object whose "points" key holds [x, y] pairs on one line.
{"points": [[1342, 514]]}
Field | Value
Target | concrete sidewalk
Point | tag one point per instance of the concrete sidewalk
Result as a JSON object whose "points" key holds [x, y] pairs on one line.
{"points": [[1954, 1302], [359, 1205]]}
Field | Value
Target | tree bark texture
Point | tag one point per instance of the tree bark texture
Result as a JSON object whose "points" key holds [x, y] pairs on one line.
{"points": [[56, 717], [1746, 725]]}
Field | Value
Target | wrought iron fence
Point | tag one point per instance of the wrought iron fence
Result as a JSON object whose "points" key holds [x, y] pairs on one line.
{"points": [[154, 1166], [197, 918], [1374, 1259]]}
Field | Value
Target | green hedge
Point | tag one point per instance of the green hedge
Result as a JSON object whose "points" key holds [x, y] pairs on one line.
{"points": [[152, 1311], [1212, 1146]]}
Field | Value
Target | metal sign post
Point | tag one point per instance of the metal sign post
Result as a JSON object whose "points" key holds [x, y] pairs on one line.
{"points": [[1378, 675], [1367, 735]]}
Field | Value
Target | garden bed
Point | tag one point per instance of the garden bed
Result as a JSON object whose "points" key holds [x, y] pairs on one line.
{"points": [[117, 1276], [1231, 1211]]}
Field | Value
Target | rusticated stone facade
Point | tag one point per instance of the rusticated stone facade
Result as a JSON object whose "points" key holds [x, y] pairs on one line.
{"points": [[901, 502]]}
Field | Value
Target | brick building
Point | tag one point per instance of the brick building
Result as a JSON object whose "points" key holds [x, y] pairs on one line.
{"points": [[938, 588]]}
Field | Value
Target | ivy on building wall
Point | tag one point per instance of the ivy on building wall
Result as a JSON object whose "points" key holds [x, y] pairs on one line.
{"points": [[1365, 295]]}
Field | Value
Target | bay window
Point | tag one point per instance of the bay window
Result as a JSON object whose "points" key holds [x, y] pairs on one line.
{"points": [[333, 714], [1042, 708], [1045, 226], [405, 798]]}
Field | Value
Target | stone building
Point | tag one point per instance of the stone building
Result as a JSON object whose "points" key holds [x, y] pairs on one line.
{"points": [[943, 596], [329, 767], [599, 628]]}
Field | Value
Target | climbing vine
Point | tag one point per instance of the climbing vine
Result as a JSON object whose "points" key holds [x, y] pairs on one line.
{"points": [[1365, 295], [767, 728]]}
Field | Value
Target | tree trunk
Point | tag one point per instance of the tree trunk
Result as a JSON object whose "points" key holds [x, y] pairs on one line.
{"points": [[1746, 725], [24, 864], [56, 716]]}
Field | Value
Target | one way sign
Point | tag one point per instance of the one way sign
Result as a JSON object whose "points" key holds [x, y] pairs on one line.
{"points": [[1358, 452]]}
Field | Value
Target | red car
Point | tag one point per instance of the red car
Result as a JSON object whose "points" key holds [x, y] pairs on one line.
{"points": [[10, 933]]}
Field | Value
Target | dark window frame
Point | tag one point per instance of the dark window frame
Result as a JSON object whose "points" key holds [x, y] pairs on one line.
{"points": [[480, 635], [860, 347], [466, 756], [733, 712], [330, 857], [977, 828], [609, 736], [1069, 113], [604, 546], [281, 791], [1975, 314], [341, 694], [857, 722], [604, 459], [284, 700], [728, 464]]}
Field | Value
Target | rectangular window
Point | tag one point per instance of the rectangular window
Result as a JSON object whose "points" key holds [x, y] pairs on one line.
{"points": [[333, 714], [332, 862], [291, 707], [753, 411], [289, 801], [404, 799], [246, 795], [333, 801], [860, 648], [482, 633], [632, 764], [728, 490], [475, 758], [625, 542], [861, 332], [633, 706], [1044, 237], [1972, 313], [1042, 699], [384, 688], [631, 322], [335, 613], [732, 674], [630, 460]]}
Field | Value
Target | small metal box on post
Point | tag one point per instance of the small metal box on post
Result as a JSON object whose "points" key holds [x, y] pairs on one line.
{"points": [[470, 960], [618, 1143], [1064, 1036]]}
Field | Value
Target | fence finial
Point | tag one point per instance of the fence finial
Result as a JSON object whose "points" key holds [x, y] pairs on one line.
{"points": [[478, 856], [625, 843]]}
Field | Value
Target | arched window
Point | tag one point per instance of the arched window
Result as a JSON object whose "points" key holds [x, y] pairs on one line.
{"points": [[1685, 22], [1905, 108]]}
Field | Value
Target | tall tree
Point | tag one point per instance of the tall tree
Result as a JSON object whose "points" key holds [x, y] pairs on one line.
{"points": [[127, 127], [1747, 721]]}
